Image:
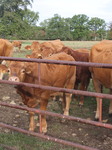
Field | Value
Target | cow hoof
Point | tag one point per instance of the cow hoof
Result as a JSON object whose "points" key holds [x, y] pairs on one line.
{"points": [[96, 119], [31, 129], [80, 104], [44, 130]]}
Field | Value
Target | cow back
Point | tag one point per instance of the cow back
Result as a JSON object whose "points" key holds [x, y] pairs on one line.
{"points": [[102, 53]]}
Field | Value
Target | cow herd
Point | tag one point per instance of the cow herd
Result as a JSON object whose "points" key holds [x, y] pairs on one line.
{"points": [[63, 76]]}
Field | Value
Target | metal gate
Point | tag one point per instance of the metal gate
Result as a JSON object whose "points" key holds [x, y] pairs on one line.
{"points": [[78, 92]]}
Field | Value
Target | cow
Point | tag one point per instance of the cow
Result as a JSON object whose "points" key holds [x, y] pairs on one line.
{"points": [[28, 47], [83, 74], [35, 46], [62, 76], [83, 50], [45, 49], [56, 45], [3, 70], [102, 53], [6, 48], [17, 44]]}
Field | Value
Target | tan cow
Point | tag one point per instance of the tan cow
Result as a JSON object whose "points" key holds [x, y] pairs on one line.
{"points": [[3, 70], [83, 74], [83, 50], [6, 48], [35, 46], [28, 47], [56, 45], [102, 53], [17, 44], [45, 49], [51, 75]]}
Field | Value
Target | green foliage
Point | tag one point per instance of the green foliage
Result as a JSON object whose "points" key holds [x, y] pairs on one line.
{"points": [[98, 28], [19, 22], [79, 27], [57, 28], [110, 31], [16, 20]]}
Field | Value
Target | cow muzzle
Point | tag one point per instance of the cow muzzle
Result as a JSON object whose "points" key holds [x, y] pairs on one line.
{"points": [[14, 78]]}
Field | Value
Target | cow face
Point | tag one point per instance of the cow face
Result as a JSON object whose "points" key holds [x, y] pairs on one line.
{"points": [[17, 71]]}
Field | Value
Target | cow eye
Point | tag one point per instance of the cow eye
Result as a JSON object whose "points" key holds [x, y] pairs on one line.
{"points": [[8, 70], [23, 71]]}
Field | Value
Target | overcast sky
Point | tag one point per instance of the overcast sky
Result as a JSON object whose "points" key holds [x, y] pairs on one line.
{"points": [[68, 8]]}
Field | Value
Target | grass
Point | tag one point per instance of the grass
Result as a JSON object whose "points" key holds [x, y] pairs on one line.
{"points": [[19, 141], [80, 44]]}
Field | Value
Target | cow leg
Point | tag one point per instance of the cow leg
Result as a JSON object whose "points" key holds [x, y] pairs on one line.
{"points": [[110, 107], [69, 85], [98, 88], [43, 106], [76, 88], [67, 107], [32, 121], [64, 101], [83, 86], [81, 97]]}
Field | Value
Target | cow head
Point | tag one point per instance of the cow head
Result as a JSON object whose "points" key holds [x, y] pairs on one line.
{"points": [[17, 71]]}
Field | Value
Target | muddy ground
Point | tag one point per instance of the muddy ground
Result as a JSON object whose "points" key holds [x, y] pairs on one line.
{"points": [[85, 134]]}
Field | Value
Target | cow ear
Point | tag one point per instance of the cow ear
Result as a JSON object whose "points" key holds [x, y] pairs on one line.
{"points": [[28, 71], [27, 68]]}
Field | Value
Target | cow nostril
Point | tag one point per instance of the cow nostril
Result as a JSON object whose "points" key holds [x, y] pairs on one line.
{"points": [[14, 79]]}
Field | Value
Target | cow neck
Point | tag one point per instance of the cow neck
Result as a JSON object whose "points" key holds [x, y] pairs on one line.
{"points": [[23, 91]]}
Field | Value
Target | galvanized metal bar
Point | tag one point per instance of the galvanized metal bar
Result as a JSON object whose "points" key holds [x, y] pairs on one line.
{"points": [[68, 143], [77, 92], [99, 124], [76, 63]]}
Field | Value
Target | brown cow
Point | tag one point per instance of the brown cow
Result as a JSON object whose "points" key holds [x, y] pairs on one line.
{"points": [[51, 75], [83, 50], [56, 45], [83, 74], [35, 46], [17, 44], [102, 53], [45, 49], [3, 70], [6, 48], [28, 47]]}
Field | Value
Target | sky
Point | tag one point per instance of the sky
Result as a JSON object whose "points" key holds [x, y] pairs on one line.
{"points": [[68, 8]]}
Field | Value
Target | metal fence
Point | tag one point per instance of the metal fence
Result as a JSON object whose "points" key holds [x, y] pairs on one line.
{"points": [[78, 92]]}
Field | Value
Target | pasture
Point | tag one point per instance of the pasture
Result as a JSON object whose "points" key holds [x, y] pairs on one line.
{"points": [[84, 134]]}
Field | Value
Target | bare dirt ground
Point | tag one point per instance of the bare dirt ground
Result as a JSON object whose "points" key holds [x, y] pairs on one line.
{"points": [[88, 135]]}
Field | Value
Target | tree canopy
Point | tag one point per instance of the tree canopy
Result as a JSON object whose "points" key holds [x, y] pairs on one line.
{"points": [[17, 21]]}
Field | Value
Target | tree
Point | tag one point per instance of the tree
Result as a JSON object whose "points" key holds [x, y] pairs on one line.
{"points": [[56, 28], [110, 31], [79, 27], [97, 27], [16, 20]]}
